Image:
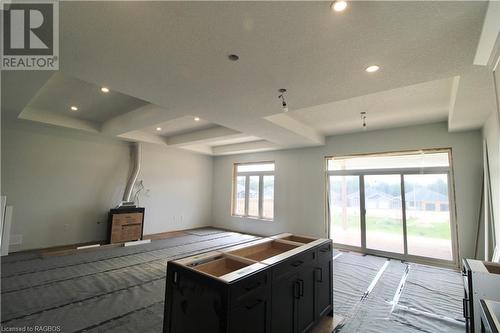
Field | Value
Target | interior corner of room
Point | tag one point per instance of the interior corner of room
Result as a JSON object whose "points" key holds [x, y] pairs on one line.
{"points": [[310, 166]]}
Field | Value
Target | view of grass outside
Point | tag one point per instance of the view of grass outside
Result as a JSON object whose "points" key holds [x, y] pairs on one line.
{"points": [[427, 213], [438, 230]]}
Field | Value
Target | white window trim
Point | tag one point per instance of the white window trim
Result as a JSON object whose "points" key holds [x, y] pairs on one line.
{"points": [[247, 175]]}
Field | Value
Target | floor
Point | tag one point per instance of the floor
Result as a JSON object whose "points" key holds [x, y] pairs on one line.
{"points": [[122, 289], [113, 290], [374, 294]]}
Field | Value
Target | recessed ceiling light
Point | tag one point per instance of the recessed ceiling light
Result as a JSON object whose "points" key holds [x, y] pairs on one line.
{"points": [[233, 57], [158, 129], [105, 90], [339, 6], [372, 69], [196, 118], [74, 108]]}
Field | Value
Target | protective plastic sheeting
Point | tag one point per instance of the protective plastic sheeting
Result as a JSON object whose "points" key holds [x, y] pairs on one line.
{"points": [[352, 275], [408, 298], [98, 288]]}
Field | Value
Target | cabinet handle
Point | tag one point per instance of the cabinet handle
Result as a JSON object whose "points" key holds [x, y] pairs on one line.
{"points": [[252, 287], [319, 270], [176, 278], [249, 307], [297, 263], [296, 289], [301, 288], [325, 249]]}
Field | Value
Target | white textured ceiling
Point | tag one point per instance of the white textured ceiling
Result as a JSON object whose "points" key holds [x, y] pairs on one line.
{"points": [[178, 126], [173, 55], [61, 92], [475, 98], [416, 104]]}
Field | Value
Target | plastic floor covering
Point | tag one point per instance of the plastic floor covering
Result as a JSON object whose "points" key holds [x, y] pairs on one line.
{"points": [[375, 294], [113, 290], [122, 289]]}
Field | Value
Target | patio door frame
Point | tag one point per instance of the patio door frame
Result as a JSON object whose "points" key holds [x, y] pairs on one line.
{"points": [[401, 172]]}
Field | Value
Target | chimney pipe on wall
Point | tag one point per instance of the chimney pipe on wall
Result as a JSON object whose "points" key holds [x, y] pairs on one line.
{"points": [[136, 151]]}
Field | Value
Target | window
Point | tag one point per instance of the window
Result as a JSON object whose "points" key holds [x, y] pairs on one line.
{"points": [[414, 160], [253, 190], [394, 203], [430, 206]]}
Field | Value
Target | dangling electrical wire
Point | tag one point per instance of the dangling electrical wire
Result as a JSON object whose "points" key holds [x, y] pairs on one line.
{"points": [[140, 187], [363, 119], [284, 106]]}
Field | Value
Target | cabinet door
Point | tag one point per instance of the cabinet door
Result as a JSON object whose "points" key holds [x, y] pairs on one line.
{"points": [[251, 316], [305, 304], [324, 288], [285, 293], [191, 298]]}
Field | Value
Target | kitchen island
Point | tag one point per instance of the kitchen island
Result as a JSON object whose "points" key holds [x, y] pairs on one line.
{"points": [[278, 284]]}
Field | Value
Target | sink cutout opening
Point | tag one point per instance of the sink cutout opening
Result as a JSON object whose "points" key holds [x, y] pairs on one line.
{"points": [[264, 251], [221, 266], [298, 239]]}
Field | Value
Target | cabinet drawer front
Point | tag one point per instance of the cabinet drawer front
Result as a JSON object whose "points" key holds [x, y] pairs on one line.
{"points": [[325, 251], [248, 286], [293, 264], [251, 315]]}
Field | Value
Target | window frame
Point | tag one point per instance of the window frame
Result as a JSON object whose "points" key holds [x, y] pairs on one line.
{"points": [[247, 175], [448, 170]]}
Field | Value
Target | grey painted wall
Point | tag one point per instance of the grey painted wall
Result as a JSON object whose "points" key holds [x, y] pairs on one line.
{"points": [[300, 179], [62, 183]]}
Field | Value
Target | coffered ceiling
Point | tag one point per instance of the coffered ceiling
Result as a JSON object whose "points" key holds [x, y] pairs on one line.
{"points": [[166, 63]]}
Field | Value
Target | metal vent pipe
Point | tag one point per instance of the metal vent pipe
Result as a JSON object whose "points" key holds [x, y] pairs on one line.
{"points": [[135, 152]]}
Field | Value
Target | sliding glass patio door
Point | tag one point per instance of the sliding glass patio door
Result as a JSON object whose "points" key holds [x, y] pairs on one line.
{"points": [[428, 216], [345, 213], [401, 211], [383, 213]]}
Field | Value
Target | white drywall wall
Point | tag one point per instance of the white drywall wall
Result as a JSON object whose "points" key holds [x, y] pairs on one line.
{"points": [[492, 136], [491, 133], [63, 182], [180, 189], [300, 179]]}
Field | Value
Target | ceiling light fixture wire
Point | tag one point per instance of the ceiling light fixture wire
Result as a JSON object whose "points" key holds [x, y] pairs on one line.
{"points": [[363, 119], [281, 96]]}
